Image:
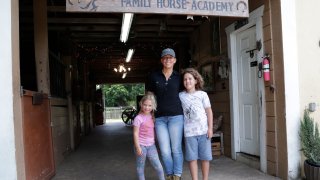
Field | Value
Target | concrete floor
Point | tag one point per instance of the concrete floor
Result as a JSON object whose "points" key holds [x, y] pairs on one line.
{"points": [[107, 154]]}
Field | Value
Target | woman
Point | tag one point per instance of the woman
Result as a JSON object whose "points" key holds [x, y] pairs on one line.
{"points": [[166, 85]]}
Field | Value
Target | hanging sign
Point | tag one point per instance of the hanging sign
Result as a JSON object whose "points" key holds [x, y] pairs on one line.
{"points": [[234, 8]]}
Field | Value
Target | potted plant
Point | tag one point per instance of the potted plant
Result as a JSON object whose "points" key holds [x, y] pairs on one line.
{"points": [[310, 142]]}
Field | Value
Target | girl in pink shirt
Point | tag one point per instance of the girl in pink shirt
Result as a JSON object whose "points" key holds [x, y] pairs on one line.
{"points": [[143, 137]]}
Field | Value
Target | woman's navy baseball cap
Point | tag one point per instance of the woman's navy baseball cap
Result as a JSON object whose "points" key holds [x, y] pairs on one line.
{"points": [[168, 51]]}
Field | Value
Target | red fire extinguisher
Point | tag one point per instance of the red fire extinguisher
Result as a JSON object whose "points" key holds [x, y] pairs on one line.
{"points": [[266, 68]]}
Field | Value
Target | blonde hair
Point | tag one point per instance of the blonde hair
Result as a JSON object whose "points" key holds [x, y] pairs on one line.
{"points": [[196, 75], [149, 96]]}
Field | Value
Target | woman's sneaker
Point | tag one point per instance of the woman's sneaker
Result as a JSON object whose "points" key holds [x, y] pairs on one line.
{"points": [[174, 177], [169, 177]]}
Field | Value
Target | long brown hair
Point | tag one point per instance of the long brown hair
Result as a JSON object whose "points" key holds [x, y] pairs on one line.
{"points": [[196, 75]]}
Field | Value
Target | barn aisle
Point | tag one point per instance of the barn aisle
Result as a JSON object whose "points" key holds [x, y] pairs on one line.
{"points": [[107, 154]]}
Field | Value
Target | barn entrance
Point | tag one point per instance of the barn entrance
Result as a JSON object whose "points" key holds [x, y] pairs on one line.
{"points": [[84, 50]]}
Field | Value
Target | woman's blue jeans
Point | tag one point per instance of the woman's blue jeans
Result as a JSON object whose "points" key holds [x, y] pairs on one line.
{"points": [[169, 130]]}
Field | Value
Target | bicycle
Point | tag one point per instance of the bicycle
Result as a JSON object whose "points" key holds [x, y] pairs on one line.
{"points": [[131, 112], [128, 115]]}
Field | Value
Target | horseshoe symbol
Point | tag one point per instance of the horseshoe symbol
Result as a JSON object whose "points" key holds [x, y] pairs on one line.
{"points": [[242, 5]]}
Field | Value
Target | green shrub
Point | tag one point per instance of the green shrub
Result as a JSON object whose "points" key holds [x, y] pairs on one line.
{"points": [[310, 139]]}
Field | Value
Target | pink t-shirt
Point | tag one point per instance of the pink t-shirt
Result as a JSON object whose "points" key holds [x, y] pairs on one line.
{"points": [[146, 129]]}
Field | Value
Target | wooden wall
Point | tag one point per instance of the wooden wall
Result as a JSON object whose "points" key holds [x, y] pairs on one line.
{"points": [[201, 45], [277, 158], [60, 129], [269, 97], [82, 125]]}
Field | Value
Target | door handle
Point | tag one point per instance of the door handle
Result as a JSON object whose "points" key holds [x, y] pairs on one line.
{"points": [[260, 70]]}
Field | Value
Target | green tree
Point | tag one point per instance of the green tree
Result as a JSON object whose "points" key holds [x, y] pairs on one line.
{"points": [[115, 95], [135, 90], [122, 94]]}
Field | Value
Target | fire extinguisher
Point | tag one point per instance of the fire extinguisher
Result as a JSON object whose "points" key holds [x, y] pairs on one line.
{"points": [[266, 68]]}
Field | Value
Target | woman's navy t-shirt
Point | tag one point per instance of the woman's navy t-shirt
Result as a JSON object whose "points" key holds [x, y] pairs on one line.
{"points": [[166, 92]]}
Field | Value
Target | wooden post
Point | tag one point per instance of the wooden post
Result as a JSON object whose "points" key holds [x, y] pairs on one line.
{"points": [[41, 45], [68, 79]]}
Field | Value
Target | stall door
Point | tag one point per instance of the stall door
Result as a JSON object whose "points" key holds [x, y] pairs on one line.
{"points": [[38, 152]]}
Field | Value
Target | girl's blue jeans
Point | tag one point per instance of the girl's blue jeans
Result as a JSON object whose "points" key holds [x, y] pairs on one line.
{"points": [[151, 153]]}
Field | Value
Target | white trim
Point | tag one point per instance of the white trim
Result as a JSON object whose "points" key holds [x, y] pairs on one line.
{"points": [[255, 18], [8, 167], [291, 82]]}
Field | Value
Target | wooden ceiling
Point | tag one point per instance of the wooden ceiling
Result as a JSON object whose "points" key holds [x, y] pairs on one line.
{"points": [[94, 38]]}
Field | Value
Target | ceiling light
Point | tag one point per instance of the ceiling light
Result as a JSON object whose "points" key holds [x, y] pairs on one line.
{"points": [[126, 24], [190, 17], [122, 69], [206, 17], [129, 55], [124, 75]]}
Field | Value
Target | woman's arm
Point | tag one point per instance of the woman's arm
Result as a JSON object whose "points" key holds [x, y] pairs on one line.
{"points": [[136, 140], [210, 122]]}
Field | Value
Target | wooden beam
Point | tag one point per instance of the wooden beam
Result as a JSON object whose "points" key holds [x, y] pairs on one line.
{"points": [[76, 20], [88, 28], [56, 8], [89, 36], [41, 46], [119, 80]]}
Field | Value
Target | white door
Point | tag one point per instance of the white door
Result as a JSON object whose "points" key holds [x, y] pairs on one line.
{"points": [[248, 92]]}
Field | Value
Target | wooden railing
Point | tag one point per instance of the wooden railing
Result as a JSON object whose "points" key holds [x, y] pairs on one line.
{"points": [[113, 112]]}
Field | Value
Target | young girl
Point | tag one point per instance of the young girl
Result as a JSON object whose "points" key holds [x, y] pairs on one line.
{"points": [[198, 120], [143, 136]]}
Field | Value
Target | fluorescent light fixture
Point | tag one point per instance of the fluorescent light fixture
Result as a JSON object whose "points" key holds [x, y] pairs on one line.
{"points": [[129, 55], [190, 17], [124, 75], [126, 24]]}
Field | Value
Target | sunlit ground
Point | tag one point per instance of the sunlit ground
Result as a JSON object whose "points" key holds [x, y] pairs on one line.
{"points": [[113, 120]]}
